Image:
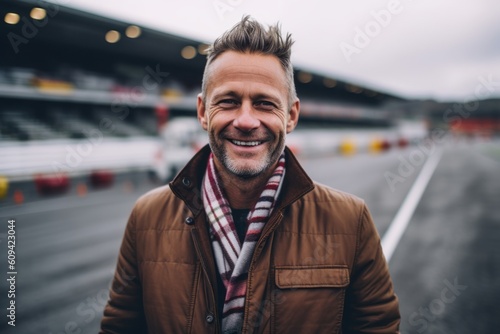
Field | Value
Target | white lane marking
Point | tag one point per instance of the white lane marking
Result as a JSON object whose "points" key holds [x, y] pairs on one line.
{"points": [[400, 222], [48, 205]]}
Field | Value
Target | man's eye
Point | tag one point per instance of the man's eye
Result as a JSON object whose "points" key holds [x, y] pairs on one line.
{"points": [[228, 103], [266, 105]]}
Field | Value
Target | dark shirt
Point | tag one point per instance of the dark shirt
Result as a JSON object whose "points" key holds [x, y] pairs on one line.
{"points": [[240, 220]]}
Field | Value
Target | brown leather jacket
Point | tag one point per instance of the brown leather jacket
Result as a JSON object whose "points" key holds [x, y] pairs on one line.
{"points": [[317, 268]]}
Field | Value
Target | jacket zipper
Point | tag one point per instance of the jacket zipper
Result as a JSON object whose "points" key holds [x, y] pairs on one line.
{"points": [[194, 233]]}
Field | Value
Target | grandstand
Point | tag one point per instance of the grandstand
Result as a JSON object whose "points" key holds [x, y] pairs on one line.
{"points": [[68, 72]]}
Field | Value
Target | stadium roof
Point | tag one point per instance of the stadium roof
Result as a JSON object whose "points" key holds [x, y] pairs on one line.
{"points": [[66, 33]]}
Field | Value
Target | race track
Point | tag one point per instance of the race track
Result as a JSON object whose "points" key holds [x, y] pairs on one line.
{"points": [[445, 267]]}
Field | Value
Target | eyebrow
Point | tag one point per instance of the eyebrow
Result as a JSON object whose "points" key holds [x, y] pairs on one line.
{"points": [[254, 97], [230, 93]]}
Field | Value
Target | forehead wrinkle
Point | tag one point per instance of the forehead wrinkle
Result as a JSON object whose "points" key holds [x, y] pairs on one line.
{"points": [[245, 72]]}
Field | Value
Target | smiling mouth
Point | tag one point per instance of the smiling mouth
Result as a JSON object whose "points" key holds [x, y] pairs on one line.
{"points": [[246, 143]]}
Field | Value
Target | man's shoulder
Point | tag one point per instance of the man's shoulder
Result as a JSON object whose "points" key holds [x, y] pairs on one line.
{"points": [[154, 198], [157, 210], [324, 193], [340, 206], [326, 210]]}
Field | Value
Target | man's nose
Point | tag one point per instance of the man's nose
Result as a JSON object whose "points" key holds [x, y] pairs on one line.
{"points": [[246, 119]]}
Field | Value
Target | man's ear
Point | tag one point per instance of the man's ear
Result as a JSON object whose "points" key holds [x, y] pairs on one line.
{"points": [[293, 116], [201, 111]]}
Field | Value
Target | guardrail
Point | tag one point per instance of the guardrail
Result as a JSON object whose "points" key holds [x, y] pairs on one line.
{"points": [[345, 142], [22, 160], [52, 164]]}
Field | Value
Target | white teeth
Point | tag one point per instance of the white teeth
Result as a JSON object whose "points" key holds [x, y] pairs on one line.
{"points": [[246, 143]]}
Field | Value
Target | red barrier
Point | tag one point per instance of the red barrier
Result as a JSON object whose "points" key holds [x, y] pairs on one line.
{"points": [[51, 183], [101, 178], [385, 145], [403, 142]]}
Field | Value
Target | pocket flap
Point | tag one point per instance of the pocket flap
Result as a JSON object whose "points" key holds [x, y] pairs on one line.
{"points": [[312, 277]]}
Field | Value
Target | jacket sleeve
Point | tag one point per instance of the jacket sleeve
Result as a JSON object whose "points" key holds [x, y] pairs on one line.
{"points": [[371, 305], [124, 311]]}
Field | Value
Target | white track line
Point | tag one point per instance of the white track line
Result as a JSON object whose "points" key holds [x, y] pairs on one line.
{"points": [[400, 222], [53, 204]]}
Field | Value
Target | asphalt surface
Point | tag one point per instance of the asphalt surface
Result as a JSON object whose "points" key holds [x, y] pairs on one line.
{"points": [[445, 267]]}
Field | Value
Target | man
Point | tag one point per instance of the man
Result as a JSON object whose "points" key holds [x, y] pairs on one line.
{"points": [[242, 241]]}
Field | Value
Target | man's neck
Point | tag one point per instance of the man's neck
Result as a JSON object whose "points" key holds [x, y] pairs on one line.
{"points": [[243, 193]]}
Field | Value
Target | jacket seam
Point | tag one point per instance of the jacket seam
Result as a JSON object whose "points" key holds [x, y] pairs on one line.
{"points": [[316, 266], [134, 239], [340, 316], [360, 224], [162, 230], [173, 262], [325, 200], [344, 278], [306, 233], [193, 299], [317, 285]]}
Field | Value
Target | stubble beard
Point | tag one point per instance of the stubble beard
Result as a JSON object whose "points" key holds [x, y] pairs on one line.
{"points": [[217, 145]]}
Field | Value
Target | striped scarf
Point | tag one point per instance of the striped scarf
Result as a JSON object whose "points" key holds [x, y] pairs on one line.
{"points": [[232, 257]]}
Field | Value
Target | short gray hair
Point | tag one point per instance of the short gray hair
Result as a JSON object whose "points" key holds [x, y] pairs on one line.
{"points": [[251, 36]]}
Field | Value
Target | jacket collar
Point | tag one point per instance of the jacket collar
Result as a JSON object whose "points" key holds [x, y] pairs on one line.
{"points": [[187, 184]]}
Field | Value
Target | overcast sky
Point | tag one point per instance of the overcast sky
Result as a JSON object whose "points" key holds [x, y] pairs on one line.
{"points": [[440, 49]]}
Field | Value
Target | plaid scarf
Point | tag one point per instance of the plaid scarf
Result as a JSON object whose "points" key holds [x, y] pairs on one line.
{"points": [[232, 257]]}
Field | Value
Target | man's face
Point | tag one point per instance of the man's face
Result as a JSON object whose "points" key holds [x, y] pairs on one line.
{"points": [[246, 112]]}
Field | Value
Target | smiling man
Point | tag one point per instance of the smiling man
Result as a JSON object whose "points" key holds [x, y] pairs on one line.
{"points": [[246, 109], [242, 240]]}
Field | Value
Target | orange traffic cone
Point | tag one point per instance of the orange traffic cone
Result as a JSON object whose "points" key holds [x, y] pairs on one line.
{"points": [[18, 197], [81, 189]]}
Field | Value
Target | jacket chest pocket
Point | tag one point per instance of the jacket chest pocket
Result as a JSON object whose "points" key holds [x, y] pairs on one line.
{"points": [[309, 299]]}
